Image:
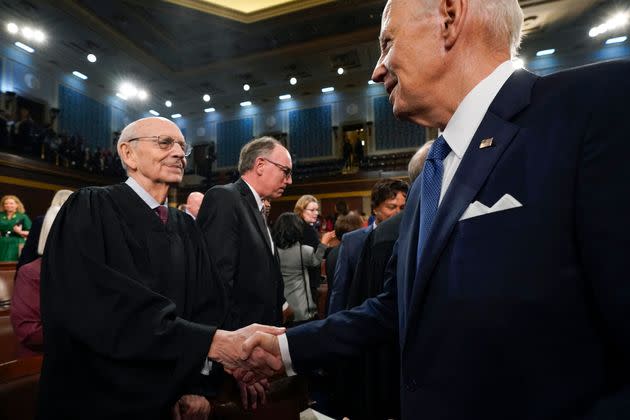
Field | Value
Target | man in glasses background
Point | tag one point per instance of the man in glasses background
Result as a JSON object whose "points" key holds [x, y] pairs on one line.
{"points": [[239, 243]]}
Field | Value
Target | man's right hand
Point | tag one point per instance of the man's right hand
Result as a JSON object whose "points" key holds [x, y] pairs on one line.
{"points": [[258, 348]]}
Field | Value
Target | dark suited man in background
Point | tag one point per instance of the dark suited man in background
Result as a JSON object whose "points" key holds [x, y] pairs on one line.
{"points": [[239, 242], [510, 294]]}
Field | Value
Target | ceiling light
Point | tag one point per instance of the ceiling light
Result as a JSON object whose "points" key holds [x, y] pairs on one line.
{"points": [[340, 71], [545, 52], [246, 103], [616, 40], [209, 110], [80, 75], [12, 28], [328, 89], [39, 36], [28, 33], [152, 112], [91, 58], [128, 90], [284, 97], [293, 81], [617, 21], [518, 63], [25, 47], [206, 98], [371, 82], [143, 95], [175, 116], [168, 104], [246, 87], [121, 96]]}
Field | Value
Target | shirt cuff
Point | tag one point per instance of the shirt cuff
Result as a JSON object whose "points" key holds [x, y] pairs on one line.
{"points": [[285, 305], [207, 367], [286, 356]]}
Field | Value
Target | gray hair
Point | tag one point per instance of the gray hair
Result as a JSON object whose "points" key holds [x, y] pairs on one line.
{"points": [[416, 163], [260, 147], [503, 19]]}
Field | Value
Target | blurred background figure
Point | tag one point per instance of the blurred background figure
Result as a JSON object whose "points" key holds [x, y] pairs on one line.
{"points": [[193, 203], [25, 310], [14, 227], [295, 259], [307, 209]]}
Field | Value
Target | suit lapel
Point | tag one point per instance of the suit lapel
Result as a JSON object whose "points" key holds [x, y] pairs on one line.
{"points": [[471, 175], [252, 207]]}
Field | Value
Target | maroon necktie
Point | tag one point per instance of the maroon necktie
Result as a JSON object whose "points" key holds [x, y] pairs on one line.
{"points": [[163, 213]]}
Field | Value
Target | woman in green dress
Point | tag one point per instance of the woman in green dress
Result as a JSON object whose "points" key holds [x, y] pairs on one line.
{"points": [[14, 227]]}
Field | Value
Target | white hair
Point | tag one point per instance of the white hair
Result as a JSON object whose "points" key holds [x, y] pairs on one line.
{"points": [[503, 19], [60, 197]]}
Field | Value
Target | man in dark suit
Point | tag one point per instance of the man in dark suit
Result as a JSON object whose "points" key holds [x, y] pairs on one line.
{"points": [[510, 293], [237, 236]]}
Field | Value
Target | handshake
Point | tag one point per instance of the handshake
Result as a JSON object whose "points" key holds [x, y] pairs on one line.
{"points": [[251, 354]]}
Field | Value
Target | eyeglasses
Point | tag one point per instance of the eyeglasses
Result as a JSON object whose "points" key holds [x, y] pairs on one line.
{"points": [[166, 143], [313, 210], [285, 169]]}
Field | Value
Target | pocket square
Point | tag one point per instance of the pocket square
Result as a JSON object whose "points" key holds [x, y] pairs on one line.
{"points": [[477, 208]]}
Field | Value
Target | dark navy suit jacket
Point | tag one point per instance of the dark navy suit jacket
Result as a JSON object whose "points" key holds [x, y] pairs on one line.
{"points": [[524, 313], [349, 251]]}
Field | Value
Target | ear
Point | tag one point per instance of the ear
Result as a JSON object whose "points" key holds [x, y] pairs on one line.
{"points": [[259, 164], [128, 155], [453, 14]]}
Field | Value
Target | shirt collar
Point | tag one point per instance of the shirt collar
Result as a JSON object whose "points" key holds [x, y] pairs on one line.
{"points": [[143, 194], [256, 196], [468, 116]]}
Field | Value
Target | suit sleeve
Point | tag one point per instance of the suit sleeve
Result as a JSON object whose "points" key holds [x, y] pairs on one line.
{"points": [[346, 333], [313, 257], [603, 236], [342, 269], [218, 220]]}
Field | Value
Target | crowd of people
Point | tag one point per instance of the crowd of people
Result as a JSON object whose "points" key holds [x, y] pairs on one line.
{"points": [[494, 287]]}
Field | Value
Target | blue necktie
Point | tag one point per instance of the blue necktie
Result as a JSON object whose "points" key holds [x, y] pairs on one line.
{"points": [[430, 190]]}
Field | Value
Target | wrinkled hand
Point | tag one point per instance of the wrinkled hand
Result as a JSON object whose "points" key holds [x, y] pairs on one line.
{"points": [[192, 407], [328, 237], [258, 349], [227, 349]]}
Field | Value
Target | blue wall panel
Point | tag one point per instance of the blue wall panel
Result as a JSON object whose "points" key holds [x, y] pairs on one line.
{"points": [[310, 132], [84, 116], [391, 133], [231, 136]]}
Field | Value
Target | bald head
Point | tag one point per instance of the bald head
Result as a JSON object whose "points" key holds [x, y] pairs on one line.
{"points": [[194, 202], [417, 161]]}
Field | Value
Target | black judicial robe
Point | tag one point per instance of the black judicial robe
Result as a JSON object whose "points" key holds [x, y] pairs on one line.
{"points": [[129, 308]]}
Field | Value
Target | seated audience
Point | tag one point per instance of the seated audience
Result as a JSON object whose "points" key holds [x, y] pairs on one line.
{"points": [[14, 227], [25, 312]]}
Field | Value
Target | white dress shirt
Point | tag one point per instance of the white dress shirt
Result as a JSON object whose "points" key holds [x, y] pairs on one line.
{"points": [[458, 134]]}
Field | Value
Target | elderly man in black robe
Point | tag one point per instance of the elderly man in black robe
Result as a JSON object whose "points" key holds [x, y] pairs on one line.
{"points": [[129, 300]]}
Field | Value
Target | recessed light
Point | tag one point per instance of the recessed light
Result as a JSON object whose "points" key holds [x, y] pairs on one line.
{"points": [[143, 95], [340, 71], [246, 87], [206, 98], [328, 89], [152, 112], [284, 97], [80, 75], [91, 58], [293, 81], [175, 116], [39, 36], [246, 103], [209, 110], [24, 47], [616, 40], [28, 33], [545, 52], [168, 104], [12, 28]]}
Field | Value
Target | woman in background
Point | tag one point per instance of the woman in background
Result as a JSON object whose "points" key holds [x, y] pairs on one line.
{"points": [[295, 259], [307, 208], [25, 311], [14, 227]]}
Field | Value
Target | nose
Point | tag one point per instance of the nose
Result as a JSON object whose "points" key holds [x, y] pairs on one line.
{"points": [[288, 180], [378, 75]]}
